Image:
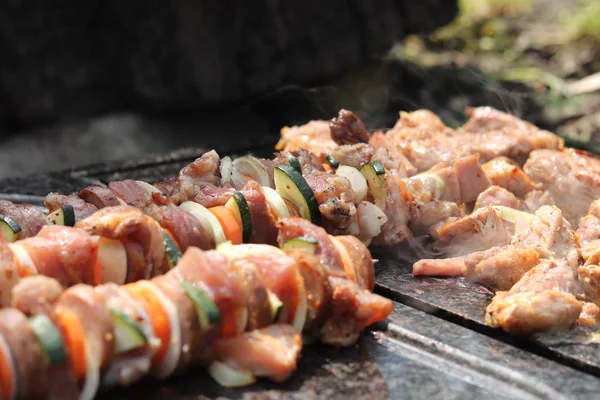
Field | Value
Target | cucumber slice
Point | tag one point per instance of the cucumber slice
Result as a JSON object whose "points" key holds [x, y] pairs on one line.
{"points": [[246, 168], [208, 313], [357, 181], [50, 339], [374, 174], [228, 376], [301, 242], [276, 202], [226, 169], [64, 216], [206, 218], [128, 334], [9, 228], [293, 160], [332, 162], [238, 204], [276, 306], [290, 185], [171, 248]]}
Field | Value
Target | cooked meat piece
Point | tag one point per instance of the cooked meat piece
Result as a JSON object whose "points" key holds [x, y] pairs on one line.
{"points": [[270, 352], [362, 261], [395, 230], [570, 176], [352, 310], [471, 178], [27, 355], [99, 196], [500, 268], [259, 308], [591, 252], [129, 367], [131, 193], [426, 141], [390, 156], [543, 300], [529, 313], [318, 290], [222, 282], [335, 197], [481, 230], [280, 275], [452, 266], [347, 128], [200, 181], [589, 278], [353, 155], [167, 186], [590, 315], [309, 162], [185, 228], [314, 137], [551, 236], [95, 320], [9, 276], [141, 235], [64, 253], [36, 295], [81, 209], [29, 217], [290, 228], [264, 228], [189, 324], [426, 210], [498, 196], [500, 134], [537, 198], [589, 225], [503, 172]]}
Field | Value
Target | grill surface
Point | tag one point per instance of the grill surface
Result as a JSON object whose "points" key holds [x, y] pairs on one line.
{"points": [[435, 344]]}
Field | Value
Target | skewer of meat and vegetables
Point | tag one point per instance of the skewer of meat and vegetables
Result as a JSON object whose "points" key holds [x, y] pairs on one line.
{"points": [[236, 257]]}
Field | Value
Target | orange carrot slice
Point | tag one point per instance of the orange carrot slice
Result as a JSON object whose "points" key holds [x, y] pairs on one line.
{"points": [[158, 316], [231, 226], [6, 374], [74, 336]]}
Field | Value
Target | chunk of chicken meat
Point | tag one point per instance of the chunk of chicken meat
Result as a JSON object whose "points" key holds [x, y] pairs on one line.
{"points": [[482, 229], [571, 177], [503, 172], [498, 196], [542, 301], [426, 141]]}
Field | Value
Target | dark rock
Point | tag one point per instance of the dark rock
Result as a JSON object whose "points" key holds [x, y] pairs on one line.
{"points": [[69, 58]]}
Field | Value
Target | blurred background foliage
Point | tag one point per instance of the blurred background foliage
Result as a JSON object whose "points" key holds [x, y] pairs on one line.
{"points": [[550, 49]]}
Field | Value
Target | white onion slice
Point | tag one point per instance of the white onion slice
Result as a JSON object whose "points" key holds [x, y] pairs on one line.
{"points": [[113, 259], [169, 363], [370, 219], [92, 375], [208, 221], [242, 250], [246, 168], [302, 307], [241, 319], [276, 202], [357, 181], [150, 189], [230, 377], [226, 169]]}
